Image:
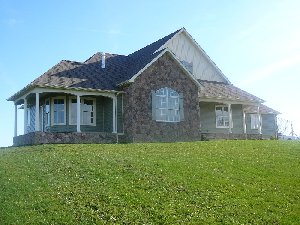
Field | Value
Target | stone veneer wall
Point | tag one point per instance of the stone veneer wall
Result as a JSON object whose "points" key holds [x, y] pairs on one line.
{"points": [[138, 123], [36, 138]]}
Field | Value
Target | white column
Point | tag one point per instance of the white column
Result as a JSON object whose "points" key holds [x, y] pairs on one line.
{"points": [[78, 113], [230, 118], [16, 120], [244, 122], [259, 120], [37, 112], [25, 115], [114, 115]]}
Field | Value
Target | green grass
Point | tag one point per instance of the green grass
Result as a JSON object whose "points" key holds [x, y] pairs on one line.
{"points": [[217, 182]]}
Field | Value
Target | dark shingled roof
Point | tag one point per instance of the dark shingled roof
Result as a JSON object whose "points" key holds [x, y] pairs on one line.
{"points": [[223, 91], [263, 109], [90, 74], [119, 69]]}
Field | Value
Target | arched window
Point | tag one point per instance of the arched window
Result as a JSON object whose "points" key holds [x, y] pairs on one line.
{"points": [[167, 105]]}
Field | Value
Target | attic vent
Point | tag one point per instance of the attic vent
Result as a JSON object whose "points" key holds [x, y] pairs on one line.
{"points": [[103, 60], [188, 66]]}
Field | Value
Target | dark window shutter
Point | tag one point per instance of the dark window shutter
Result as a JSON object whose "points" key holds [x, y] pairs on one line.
{"points": [[153, 105], [181, 109]]}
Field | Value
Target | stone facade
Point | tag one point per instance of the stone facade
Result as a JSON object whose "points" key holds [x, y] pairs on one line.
{"points": [[138, 123], [36, 138]]}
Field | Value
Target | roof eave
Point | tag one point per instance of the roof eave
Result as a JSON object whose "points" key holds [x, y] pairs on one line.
{"points": [[25, 90], [230, 100], [20, 93]]}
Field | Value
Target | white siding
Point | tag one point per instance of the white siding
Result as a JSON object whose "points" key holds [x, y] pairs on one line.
{"points": [[186, 50]]}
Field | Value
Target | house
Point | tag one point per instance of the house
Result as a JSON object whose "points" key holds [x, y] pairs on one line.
{"points": [[169, 90]]}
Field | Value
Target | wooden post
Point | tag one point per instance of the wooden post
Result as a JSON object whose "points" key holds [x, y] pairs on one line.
{"points": [[244, 122], [114, 114], [37, 112], [78, 114], [259, 120], [25, 115], [230, 118], [16, 121]]}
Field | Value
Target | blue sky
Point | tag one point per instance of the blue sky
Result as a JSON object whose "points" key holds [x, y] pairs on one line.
{"points": [[255, 43]]}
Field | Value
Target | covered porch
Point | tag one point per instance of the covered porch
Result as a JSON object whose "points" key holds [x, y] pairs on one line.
{"points": [[69, 116], [229, 118], [223, 113]]}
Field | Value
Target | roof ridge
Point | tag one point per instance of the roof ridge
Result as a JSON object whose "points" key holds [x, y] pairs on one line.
{"points": [[163, 40], [91, 57]]}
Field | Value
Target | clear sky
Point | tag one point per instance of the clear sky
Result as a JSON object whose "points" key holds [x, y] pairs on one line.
{"points": [[255, 43]]}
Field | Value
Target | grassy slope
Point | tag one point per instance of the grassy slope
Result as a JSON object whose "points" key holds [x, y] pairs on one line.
{"points": [[203, 182]]}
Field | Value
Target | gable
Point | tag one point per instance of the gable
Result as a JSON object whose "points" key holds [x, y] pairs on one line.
{"points": [[194, 58], [164, 72], [160, 54]]}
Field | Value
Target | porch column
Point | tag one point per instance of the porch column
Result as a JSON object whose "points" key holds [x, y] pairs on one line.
{"points": [[114, 114], [16, 121], [259, 120], [230, 118], [78, 114], [37, 112], [25, 115], [244, 122]]}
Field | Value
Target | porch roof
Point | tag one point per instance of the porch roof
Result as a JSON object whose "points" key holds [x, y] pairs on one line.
{"points": [[225, 92], [263, 109]]}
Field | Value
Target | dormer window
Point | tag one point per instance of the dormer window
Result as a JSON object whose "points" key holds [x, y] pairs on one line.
{"points": [[188, 66]]}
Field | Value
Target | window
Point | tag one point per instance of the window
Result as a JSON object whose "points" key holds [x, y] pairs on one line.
{"points": [[222, 116], [47, 112], [167, 105], [254, 121], [59, 111], [87, 111], [188, 66]]}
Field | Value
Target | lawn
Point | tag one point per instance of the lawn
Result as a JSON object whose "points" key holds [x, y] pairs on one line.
{"points": [[215, 182]]}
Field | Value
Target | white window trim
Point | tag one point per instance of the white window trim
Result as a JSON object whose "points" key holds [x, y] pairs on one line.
{"points": [[46, 122], [167, 97], [81, 113], [52, 110], [228, 116]]}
